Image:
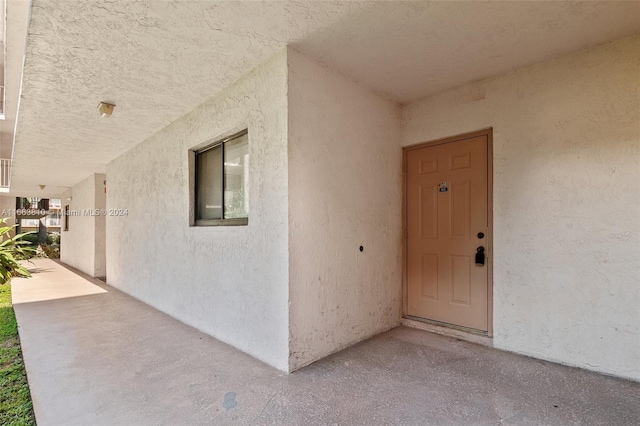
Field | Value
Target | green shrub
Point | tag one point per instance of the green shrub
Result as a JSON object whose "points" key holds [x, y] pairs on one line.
{"points": [[12, 248], [30, 237], [51, 251], [53, 238]]}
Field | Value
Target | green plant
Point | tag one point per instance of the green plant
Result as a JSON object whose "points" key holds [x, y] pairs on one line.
{"points": [[51, 251], [16, 407], [236, 208], [30, 237], [10, 248], [53, 238]]}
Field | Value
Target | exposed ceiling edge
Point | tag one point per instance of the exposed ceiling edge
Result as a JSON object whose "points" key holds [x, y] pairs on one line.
{"points": [[14, 63]]}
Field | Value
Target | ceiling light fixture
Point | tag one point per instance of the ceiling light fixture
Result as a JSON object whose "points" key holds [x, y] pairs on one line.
{"points": [[105, 109]]}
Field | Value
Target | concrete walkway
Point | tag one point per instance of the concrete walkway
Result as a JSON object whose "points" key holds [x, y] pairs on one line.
{"points": [[96, 356]]}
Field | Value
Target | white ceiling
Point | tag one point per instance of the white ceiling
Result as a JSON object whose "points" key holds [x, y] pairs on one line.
{"points": [[157, 60], [418, 49]]}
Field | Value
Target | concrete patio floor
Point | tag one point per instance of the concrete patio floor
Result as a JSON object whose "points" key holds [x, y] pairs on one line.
{"points": [[96, 356]]}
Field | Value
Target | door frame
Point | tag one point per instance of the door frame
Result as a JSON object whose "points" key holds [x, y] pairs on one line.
{"points": [[488, 132]]}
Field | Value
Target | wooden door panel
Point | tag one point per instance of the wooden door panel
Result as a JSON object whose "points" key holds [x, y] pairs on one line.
{"points": [[429, 276], [428, 213], [460, 279], [446, 198], [460, 209]]}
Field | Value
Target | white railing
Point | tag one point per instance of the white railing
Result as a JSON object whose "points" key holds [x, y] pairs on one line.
{"points": [[5, 173], [34, 223]]}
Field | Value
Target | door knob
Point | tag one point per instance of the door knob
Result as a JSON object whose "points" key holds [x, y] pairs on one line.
{"points": [[480, 256]]}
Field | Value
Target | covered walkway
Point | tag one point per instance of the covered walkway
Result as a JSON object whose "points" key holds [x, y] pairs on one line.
{"points": [[97, 356]]}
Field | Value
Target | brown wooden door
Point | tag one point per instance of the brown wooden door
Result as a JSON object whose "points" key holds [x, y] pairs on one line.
{"points": [[447, 206]]}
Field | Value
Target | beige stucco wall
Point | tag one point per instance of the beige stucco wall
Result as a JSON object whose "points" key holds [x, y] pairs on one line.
{"points": [[233, 282], [228, 281], [344, 192], [82, 246], [566, 202], [292, 286]]}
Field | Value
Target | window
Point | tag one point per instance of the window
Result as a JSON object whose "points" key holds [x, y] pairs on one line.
{"points": [[221, 179], [53, 219]]}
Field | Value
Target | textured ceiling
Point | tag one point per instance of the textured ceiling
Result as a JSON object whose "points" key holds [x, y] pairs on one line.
{"points": [[418, 49], [157, 60]]}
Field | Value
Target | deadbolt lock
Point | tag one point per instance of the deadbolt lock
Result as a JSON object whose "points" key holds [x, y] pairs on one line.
{"points": [[480, 256]]}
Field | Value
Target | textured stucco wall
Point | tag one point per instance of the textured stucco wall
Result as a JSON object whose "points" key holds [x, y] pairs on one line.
{"points": [[82, 246], [566, 202], [230, 282], [344, 191]]}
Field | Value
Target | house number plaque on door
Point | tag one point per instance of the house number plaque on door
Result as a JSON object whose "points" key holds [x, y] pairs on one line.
{"points": [[443, 186]]}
